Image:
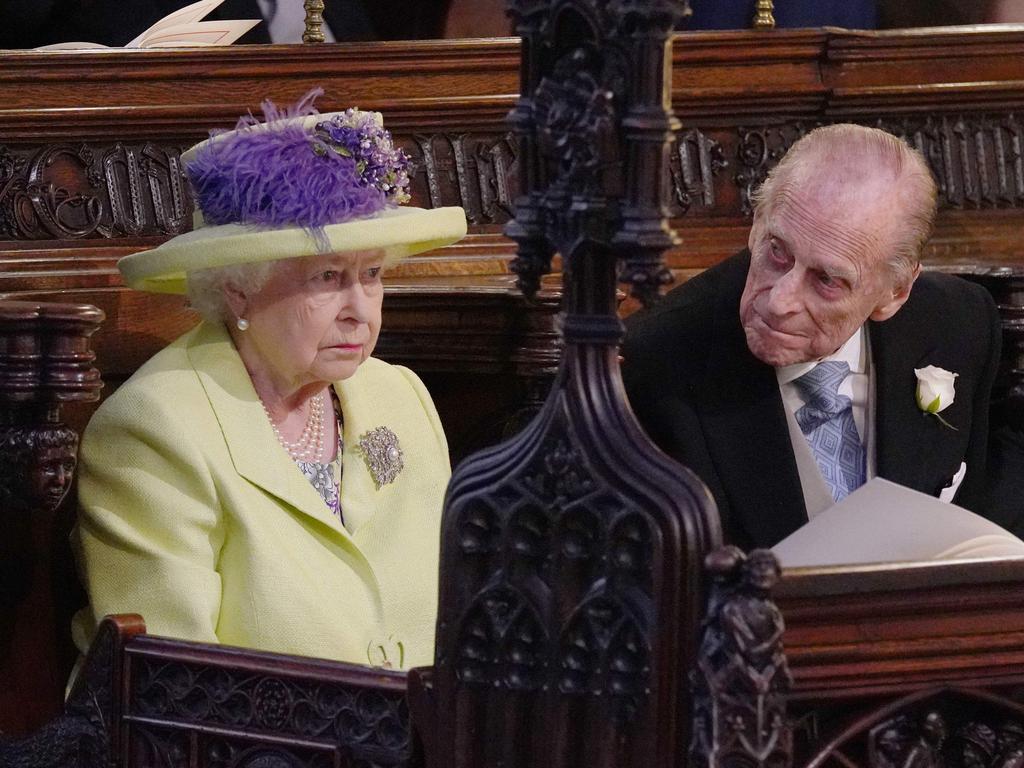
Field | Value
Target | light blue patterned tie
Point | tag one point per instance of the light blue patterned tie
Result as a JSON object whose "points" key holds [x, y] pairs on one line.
{"points": [[827, 422]]}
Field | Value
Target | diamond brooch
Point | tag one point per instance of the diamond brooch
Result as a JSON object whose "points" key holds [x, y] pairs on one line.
{"points": [[382, 453]]}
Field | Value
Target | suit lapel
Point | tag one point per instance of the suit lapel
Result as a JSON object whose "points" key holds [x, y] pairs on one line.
{"points": [[913, 449], [359, 492], [746, 432], [254, 449]]}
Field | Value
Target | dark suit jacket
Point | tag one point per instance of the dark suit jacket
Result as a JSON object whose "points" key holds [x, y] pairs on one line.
{"points": [[709, 403], [28, 23]]}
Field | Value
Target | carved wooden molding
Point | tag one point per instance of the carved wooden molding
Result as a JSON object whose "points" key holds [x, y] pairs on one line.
{"points": [[68, 192], [201, 705]]}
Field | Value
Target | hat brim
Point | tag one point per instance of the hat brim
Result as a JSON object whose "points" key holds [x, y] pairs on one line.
{"points": [[398, 232]]}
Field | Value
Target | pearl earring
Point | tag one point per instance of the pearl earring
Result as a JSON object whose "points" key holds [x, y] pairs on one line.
{"points": [[243, 324]]}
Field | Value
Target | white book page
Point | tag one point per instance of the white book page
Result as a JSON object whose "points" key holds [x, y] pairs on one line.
{"points": [[200, 33], [179, 29], [885, 522], [68, 46], [187, 15]]}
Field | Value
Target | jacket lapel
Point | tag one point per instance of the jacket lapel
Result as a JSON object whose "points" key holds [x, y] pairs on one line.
{"points": [[746, 432], [254, 449], [359, 492], [913, 449]]}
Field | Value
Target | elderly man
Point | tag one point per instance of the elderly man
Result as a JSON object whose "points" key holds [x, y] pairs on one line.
{"points": [[785, 376]]}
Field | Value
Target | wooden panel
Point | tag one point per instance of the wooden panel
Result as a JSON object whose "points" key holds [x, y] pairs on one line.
{"points": [[893, 628]]}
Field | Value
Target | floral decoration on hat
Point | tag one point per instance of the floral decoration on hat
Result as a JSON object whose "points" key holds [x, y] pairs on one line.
{"points": [[289, 172]]}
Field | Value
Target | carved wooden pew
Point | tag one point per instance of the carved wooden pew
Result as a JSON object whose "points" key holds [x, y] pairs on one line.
{"points": [[149, 701]]}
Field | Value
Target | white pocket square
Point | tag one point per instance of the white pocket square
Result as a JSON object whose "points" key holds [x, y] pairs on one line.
{"points": [[947, 493]]}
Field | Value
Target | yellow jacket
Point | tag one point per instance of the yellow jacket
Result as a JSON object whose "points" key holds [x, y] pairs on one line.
{"points": [[194, 516]]}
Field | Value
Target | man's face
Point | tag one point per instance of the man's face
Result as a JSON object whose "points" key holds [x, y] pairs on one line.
{"points": [[818, 270]]}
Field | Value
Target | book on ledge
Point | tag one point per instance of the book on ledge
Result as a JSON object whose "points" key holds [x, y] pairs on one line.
{"points": [[885, 522], [183, 28]]}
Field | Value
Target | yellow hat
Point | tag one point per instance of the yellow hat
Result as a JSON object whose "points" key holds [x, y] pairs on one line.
{"points": [[296, 185]]}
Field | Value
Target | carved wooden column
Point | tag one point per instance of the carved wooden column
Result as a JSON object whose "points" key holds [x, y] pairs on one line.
{"points": [[742, 676], [45, 361], [571, 555]]}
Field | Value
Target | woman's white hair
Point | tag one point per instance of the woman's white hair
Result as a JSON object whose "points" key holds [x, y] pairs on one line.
{"points": [[206, 287], [877, 151]]}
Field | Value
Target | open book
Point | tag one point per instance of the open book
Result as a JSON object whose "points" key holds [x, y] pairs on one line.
{"points": [[181, 28], [885, 522]]}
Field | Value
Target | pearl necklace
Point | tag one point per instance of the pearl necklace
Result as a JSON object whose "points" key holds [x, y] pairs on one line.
{"points": [[310, 445]]}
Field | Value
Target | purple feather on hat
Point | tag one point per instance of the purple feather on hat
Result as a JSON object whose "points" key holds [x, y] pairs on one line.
{"points": [[291, 175]]}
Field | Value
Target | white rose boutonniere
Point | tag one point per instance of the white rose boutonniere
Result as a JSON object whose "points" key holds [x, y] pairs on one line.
{"points": [[935, 390]]}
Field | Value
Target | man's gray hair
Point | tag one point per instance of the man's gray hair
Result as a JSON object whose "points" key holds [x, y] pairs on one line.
{"points": [[206, 287], [876, 149]]}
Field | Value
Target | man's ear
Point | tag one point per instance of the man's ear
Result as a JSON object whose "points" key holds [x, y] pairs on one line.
{"points": [[900, 293], [236, 299]]}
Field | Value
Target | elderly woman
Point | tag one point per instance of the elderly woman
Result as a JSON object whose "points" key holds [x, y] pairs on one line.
{"points": [[263, 481]]}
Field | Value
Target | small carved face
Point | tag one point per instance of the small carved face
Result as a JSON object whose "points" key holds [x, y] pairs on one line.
{"points": [[762, 570], [51, 474]]}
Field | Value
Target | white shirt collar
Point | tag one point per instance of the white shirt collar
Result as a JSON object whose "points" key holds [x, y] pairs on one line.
{"points": [[851, 352]]}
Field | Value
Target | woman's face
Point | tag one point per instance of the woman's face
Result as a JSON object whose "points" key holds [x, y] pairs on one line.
{"points": [[316, 318]]}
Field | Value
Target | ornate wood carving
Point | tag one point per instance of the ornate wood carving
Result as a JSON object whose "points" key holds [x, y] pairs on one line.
{"points": [[65, 191], [475, 170], [571, 554], [204, 706], [45, 361], [977, 159], [75, 191], [144, 701], [695, 161], [173, 700], [742, 677], [950, 728]]}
